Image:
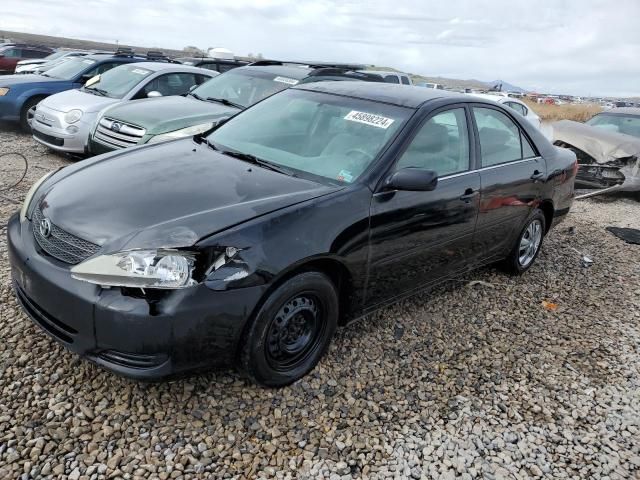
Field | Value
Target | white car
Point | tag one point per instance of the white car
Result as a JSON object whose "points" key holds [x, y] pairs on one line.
{"points": [[64, 121], [32, 65], [391, 77], [517, 105]]}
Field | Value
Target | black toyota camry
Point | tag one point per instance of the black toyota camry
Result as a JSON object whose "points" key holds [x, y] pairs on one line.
{"points": [[249, 244]]}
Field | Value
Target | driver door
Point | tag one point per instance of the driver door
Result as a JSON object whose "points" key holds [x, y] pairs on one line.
{"points": [[417, 238]]}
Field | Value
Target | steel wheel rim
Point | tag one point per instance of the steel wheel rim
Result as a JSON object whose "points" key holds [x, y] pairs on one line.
{"points": [[294, 333], [530, 243]]}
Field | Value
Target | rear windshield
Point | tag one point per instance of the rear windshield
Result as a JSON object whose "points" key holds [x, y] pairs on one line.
{"points": [[70, 69], [244, 87]]}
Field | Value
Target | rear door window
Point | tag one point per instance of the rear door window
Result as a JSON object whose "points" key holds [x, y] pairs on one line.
{"points": [[405, 80], [391, 79]]}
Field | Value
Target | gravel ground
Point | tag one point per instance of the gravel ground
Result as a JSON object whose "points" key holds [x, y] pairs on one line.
{"points": [[470, 381]]}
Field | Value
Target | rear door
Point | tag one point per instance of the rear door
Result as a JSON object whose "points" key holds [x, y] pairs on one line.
{"points": [[416, 238], [512, 175]]}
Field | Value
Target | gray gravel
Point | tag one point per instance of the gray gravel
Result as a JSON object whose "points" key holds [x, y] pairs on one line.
{"points": [[476, 381]]}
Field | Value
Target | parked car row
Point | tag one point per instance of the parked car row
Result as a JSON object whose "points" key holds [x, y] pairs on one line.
{"points": [[262, 208]]}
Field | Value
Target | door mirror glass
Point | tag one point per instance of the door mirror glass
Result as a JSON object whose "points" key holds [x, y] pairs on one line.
{"points": [[154, 94], [412, 180]]}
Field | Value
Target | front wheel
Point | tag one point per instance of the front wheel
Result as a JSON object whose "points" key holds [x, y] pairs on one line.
{"points": [[528, 244], [291, 331], [27, 113]]}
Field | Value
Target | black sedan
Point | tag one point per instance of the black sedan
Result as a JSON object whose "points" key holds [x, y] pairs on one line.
{"points": [[250, 244]]}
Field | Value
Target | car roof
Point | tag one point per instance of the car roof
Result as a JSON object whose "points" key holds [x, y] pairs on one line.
{"points": [[211, 60], [624, 110], [170, 67], [401, 95]]}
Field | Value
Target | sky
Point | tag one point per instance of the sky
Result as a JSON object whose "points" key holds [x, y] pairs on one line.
{"points": [[580, 47]]}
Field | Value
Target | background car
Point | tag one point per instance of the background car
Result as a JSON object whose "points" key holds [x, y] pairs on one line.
{"points": [[145, 121], [216, 64], [19, 94], [513, 103], [250, 245], [31, 66], [390, 76], [12, 53], [63, 121]]}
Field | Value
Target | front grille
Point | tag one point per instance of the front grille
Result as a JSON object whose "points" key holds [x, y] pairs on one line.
{"points": [[124, 135], [50, 139], [60, 244]]}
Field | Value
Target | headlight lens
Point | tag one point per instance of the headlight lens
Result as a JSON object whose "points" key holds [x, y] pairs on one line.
{"points": [[73, 116], [32, 191], [183, 132], [166, 269], [3, 91]]}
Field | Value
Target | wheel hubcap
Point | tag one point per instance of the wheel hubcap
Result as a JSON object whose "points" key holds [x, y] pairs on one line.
{"points": [[294, 332], [530, 243]]}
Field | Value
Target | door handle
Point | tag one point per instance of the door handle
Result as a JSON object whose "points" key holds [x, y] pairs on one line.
{"points": [[536, 175], [468, 195]]}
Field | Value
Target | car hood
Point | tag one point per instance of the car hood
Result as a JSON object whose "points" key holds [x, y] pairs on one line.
{"points": [[602, 145], [71, 99], [167, 195], [161, 115], [31, 62], [31, 79]]}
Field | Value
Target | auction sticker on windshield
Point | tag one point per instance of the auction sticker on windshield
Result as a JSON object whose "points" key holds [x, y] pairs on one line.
{"points": [[369, 119], [288, 81], [141, 71]]}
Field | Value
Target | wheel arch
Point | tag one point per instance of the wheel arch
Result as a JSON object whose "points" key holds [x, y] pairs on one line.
{"points": [[547, 208]]}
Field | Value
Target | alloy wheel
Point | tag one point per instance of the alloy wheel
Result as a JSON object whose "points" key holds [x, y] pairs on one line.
{"points": [[530, 243]]}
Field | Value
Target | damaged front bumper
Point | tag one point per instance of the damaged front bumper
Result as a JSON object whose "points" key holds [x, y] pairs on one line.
{"points": [[607, 161]]}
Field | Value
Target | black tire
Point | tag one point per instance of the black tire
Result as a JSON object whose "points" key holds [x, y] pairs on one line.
{"points": [[514, 263], [291, 331], [25, 112]]}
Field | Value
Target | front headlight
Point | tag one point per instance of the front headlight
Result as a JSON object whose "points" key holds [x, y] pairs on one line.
{"points": [[183, 132], [32, 191], [3, 91], [72, 116], [166, 269]]}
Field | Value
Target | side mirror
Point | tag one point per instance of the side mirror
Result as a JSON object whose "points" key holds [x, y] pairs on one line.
{"points": [[154, 94], [84, 79], [412, 179]]}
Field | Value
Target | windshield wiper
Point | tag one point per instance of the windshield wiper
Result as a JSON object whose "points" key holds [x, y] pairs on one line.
{"points": [[195, 95], [247, 157], [226, 102], [97, 91]]}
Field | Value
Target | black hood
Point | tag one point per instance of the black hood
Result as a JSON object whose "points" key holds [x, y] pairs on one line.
{"points": [[166, 195]]}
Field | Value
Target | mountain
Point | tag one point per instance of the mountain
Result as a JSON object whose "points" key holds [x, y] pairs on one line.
{"points": [[506, 86]]}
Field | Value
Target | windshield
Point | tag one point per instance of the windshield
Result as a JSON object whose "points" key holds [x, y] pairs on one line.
{"points": [[326, 136], [119, 81], [615, 122], [243, 87], [70, 69]]}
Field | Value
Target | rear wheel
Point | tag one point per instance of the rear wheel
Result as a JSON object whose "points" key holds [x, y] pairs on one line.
{"points": [[291, 331], [27, 113], [528, 244]]}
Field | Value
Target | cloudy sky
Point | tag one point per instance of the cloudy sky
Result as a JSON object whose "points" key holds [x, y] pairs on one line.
{"points": [[584, 47]]}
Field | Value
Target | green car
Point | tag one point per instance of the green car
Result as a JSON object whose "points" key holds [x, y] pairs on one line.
{"points": [[154, 120]]}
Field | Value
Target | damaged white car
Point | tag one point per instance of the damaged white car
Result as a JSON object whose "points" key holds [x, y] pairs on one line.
{"points": [[608, 150]]}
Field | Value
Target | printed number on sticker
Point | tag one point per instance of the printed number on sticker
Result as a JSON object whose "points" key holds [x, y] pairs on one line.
{"points": [[369, 119]]}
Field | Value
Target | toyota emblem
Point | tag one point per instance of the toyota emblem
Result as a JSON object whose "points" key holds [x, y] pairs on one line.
{"points": [[115, 126], [45, 227]]}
